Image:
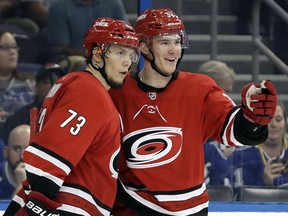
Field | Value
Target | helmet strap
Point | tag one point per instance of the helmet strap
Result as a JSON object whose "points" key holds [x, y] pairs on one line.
{"points": [[182, 53], [154, 66], [100, 69]]}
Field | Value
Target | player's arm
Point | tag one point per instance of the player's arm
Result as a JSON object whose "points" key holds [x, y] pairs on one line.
{"points": [[64, 136], [38, 204], [34, 203]]}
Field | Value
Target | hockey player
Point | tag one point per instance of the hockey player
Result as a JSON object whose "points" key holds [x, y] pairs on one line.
{"points": [[168, 115], [71, 163]]}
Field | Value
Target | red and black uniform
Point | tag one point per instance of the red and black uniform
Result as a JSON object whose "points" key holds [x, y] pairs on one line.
{"points": [[73, 160], [162, 159]]}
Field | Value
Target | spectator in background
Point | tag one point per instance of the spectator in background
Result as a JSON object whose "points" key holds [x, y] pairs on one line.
{"points": [[29, 15], [43, 85], [219, 71], [256, 166], [12, 171], [71, 63], [217, 168], [68, 21], [16, 89], [7, 4]]}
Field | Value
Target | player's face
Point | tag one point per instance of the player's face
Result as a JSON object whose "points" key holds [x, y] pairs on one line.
{"points": [[167, 50], [276, 127], [118, 61]]}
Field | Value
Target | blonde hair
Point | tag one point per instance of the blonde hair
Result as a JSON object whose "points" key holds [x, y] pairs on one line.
{"points": [[284, 139], [217, 70]]}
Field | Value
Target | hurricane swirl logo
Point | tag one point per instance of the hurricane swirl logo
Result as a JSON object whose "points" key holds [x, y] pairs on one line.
{"points": [[114, 163], [152, 147]]}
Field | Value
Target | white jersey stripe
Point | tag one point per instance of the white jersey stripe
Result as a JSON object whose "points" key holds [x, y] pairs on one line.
{"points": [[19, 200], [181, 197], [84, 195], [40, 172], [159, 209], [73, 209], [231, 135], [49, 158]]}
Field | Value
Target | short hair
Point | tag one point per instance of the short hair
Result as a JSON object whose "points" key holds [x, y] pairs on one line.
{"points": [[217, 70], [22, 131]]}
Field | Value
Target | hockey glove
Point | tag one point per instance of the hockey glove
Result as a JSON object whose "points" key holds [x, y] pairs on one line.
{"points": [[259, 102], [39, 205]]}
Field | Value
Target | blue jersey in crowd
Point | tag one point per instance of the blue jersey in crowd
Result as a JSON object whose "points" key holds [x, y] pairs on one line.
{"points": [[249, 164], [217, 169], [7, 184]]}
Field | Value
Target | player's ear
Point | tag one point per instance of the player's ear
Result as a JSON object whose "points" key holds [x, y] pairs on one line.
{"points": [[144, 48], [97, 52]]}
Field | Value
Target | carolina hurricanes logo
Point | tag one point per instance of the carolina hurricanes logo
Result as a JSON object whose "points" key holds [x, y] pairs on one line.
{"points": [[114, 163], [152, 147]]}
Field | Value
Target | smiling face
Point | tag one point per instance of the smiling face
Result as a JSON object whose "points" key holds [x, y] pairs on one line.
{"points": [[277, 127], [167, 51]]}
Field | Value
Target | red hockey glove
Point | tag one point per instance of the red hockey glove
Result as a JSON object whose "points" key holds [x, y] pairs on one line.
{"points": [[259, 102], [37, 205]]}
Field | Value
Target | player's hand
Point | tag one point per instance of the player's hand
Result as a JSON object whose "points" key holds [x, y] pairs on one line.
{"points": [[259, 102], [38, 204]]}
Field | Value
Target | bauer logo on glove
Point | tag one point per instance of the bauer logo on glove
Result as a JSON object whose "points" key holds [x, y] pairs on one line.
{"points": [[37, 210], [259, 102]]}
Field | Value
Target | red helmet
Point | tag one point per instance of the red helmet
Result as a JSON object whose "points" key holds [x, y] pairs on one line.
{"points": [[154, 22], [106, 31]]}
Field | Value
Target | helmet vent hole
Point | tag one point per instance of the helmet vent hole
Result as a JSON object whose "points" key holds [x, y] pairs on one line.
{"points": [[115, 34], [121, 35]]}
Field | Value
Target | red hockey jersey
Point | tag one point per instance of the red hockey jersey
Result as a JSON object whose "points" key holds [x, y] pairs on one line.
{"points": [[74, 157], [162, 159]]}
